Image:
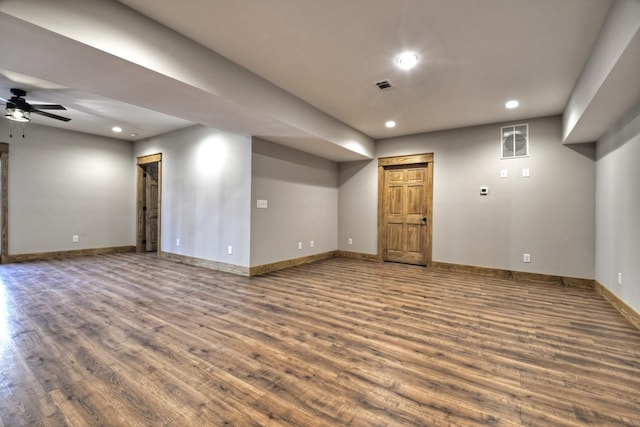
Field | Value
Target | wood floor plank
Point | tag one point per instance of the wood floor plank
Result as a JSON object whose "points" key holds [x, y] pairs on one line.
{"points": [[128, 339]]}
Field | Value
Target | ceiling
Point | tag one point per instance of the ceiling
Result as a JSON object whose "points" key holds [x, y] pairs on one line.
{"points": [[474, 56]]}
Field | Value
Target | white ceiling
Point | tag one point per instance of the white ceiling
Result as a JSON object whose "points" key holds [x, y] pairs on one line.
{"points": [[88, 112], [475, 55]]}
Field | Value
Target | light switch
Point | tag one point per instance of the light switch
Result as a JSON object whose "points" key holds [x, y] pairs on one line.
{"points": [[503, 173], [262, 204], [525, 173]]}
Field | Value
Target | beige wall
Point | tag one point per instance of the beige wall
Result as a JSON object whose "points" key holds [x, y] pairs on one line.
{"points": [[358, 207], [206, 184], [550, 215], [68, 183], [301, 191], [210, 205], [618, 209]]}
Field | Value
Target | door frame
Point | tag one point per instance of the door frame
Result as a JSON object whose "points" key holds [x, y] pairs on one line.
{"points": [[141, 162], [4, 204], [416, 159]]}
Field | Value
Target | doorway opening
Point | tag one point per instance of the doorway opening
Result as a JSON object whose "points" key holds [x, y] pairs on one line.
{"points": [[148, 203], [405, 205]]}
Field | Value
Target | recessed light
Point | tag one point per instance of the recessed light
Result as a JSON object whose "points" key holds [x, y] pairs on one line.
{"points": [[512, 104], [390, 124], [407, 60], [116, 129]]}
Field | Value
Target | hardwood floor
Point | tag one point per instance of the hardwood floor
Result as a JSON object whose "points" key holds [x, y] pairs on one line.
{"points": [[131, 340]]}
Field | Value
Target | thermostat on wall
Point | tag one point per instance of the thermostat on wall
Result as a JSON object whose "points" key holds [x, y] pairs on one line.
{"points": [[484, 191]]}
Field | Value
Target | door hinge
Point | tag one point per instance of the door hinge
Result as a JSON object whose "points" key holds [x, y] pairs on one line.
{"points": [[144, 208], [144, 242], [144, 175]]}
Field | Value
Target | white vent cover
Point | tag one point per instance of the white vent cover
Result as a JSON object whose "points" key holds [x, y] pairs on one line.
{"points": [[515, 141], [384, 84]]}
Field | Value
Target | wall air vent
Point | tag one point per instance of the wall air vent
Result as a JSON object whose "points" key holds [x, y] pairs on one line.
{"points": [[384, 85], [515, 141]]}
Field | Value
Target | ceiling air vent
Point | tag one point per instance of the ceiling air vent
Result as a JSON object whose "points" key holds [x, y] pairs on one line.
{"points": [[384, 85]]}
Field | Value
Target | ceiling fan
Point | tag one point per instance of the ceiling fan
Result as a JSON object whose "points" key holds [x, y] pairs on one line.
{"points": [[19, 110]]}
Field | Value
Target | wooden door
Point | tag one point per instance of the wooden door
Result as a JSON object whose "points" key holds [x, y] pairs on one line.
{"points": [[405, 210], [148, 203], [151, 207]]}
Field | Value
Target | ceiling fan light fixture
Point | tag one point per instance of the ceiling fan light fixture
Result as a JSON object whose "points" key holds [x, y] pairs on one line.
{"points": [[17, 115]]}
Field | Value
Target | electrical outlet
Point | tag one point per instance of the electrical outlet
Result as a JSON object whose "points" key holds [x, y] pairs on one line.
{"points": [[299, 245], [526, 257], [503, 173], [350, 241], [312, 243], [619, 279], [525, 173], [177, 242], [75, 238], [229, 250]]}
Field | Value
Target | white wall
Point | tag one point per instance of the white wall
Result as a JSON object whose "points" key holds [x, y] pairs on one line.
{"points": [[67, 183], [301, 191], [64, 183], [358, 207], [206, 187], [550, 215], [618, 209]]}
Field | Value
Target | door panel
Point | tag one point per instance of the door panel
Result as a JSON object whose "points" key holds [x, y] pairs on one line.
{"points": [[394, 237], [395, 200], [415, 200], [414, 238]]}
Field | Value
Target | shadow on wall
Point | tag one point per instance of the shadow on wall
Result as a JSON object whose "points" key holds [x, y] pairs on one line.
{"points": [[587, 149], [623, 131], [290, 165], [349, 169]]}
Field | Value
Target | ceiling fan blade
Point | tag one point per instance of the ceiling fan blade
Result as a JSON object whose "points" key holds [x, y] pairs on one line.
{"points": [[48, 106], [52, 116]]}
